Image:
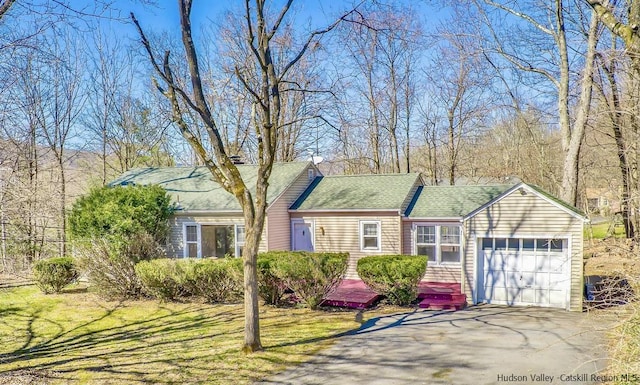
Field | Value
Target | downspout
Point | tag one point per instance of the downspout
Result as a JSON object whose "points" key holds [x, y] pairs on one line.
{"points": [[463, 258]]}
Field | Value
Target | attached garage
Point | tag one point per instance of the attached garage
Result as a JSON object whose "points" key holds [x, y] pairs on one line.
{"points": [[524, 248], [525, 271]]}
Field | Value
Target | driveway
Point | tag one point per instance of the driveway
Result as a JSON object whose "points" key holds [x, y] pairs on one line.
{"points": [[479, 345]]}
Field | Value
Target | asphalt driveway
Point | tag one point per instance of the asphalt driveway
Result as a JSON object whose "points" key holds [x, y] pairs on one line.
{"points": [[479, 345]]}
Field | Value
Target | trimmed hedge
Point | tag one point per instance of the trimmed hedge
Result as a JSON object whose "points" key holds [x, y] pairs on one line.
{"points": [[163, 278], [311, 276], [216, 280], [394, 276], [52, 275], [270, 287]]}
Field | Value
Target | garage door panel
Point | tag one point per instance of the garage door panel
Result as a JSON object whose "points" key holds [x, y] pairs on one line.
{"points": [[557, 262], [526, 277], [557, 297], [542, 296], [542, 262], [529, 262], [528, 295], [542, 280]]}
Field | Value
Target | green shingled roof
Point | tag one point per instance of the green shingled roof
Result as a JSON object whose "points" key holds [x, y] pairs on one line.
{"points": [[194, 188], [357, 192], [452, 201]]}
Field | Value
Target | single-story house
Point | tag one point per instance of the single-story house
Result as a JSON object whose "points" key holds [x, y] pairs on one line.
{"points": [[510, 244]]}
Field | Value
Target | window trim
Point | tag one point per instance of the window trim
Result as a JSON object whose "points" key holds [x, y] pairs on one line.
{"points": [[378, 235], [438, 242], [198, 242], [185, 246]]}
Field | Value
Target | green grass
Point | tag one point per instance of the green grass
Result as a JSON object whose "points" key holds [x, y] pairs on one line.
{"points": [[79, 338], [601, 231]]}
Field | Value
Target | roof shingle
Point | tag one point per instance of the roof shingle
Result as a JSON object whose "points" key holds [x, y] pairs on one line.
{"points": [[194, 188], [452, 201], [357, 192]]}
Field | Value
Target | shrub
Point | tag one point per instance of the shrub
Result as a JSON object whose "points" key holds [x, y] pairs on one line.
{"points": [[121, 212], [216, 280], [394, 276], [52, 275], [270, 287], [164, 279], [311, 276], [110, 263]]}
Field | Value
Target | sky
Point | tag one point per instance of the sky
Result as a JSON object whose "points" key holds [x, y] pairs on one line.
{"points": [[163, 16]]}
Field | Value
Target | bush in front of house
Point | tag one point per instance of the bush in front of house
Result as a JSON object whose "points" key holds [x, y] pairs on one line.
{"points": [[311, 276], [110, 263], [53, 274], [113, 229], [216, 280], [270, 287], [164, 279], [394, 276], [121, 212]]}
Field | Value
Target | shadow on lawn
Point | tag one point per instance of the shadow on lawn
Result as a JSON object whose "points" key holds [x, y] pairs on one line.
{"points": [[114, 352]]}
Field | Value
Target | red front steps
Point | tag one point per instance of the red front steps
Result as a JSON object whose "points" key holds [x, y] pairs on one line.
{"points": [[355, 294], [441, 296]]}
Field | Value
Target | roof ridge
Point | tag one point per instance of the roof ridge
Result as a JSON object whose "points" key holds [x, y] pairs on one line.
{"points": [[364, 175]]}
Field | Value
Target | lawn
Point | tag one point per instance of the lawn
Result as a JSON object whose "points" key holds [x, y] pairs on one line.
{"points": [[602, 230], [75, 337]]}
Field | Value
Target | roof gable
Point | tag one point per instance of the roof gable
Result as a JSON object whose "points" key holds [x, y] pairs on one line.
{"points": [[539, 192], [195, 190], [357, 192]]}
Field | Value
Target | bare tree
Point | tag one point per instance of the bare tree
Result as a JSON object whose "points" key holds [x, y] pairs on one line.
{"points": [[622, 19], [458, 84], [261, 29], [544, 29], [379, 80]]}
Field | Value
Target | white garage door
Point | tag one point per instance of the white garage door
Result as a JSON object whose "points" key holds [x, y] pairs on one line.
{"points": [[524, 271]]}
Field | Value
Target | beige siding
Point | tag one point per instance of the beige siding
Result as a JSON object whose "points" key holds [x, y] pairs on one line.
{"points": [[520, 215], [175, 242], [435, 273], [278, 224], [341, 232]]}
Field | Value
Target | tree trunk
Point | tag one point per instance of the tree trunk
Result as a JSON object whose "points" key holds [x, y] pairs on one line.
{"points": [[252, 314]]}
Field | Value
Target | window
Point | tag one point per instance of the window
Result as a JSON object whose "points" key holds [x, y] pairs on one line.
{"points": [[426, 241], [209, 240], [191, 241], [239, 240], [370, 236], [311, 174], [440, 243], [528, 245]]}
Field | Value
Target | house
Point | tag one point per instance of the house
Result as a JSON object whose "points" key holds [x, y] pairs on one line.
{"points": [[510, 244]]}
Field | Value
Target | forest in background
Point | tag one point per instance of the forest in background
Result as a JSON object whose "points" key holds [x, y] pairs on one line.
{"points": [[483, 92]]}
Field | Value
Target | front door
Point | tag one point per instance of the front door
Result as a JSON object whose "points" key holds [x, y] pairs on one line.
{"points": [[302, 236]]}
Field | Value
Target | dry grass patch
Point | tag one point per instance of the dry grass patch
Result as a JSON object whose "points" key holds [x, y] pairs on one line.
{"points": [[78, 338], [615, 257]]}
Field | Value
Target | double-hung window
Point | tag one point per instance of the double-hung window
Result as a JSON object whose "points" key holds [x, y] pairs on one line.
{"points": [[370, 236], [191, 241], [440, 243], [426, 241]]}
